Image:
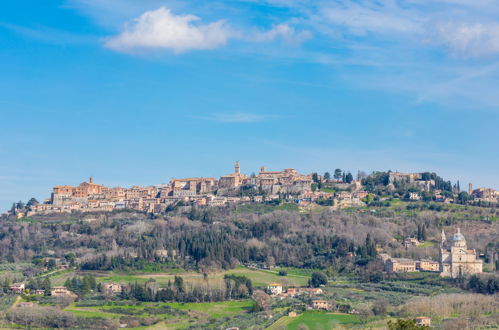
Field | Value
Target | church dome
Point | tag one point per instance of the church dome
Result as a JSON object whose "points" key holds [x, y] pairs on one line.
{"points": [[458, 236]]}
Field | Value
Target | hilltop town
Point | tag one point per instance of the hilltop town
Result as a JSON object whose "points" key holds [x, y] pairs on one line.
{"points": [[282, 245], [338, 191]]}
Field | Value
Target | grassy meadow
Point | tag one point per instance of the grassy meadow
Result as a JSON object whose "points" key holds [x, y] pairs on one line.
{"points": [[170, 315], [316, 320], [260, 278]]}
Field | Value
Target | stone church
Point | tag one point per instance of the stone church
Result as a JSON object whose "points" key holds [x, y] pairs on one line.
{"points": [[455, 258]]}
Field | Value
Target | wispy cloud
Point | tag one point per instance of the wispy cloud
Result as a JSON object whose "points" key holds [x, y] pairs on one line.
{"points": [[235, 117], [371, 17], [468, 39], [50, 35], [288, 34]]}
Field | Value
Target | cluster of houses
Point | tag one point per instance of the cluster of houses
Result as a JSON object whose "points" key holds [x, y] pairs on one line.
{"points": [[56, 291], [455, 259], [277, 290], [62, 291], [228, 189], [232, 188], [484, 194]]}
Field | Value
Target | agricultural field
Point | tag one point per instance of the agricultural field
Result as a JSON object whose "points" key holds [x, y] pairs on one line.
{"points": [[260, 278], [316, 320], [167, 315]]}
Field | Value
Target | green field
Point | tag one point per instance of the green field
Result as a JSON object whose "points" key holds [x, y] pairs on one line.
{"points": [[314, 320], [216, 309], [263, 277], [58, 278], [194, 313], [260, 278], [427, 244]]}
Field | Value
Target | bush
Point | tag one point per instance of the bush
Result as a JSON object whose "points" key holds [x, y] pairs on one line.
{"points": [[283, 273]]}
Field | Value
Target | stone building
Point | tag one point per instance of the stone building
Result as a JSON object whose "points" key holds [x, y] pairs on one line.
{"points": [[425, 265], [411, 241], [423, 321], [60, 291], [17, 287], [61, 194], [286, 181], [456, 259], [232, 180], [111, 288], [486, 195], [320, 304], [404, 177], [400, 265], [192, 186]]}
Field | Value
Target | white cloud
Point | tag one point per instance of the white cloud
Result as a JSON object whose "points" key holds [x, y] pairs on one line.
{"points": [[469, 40], [160, 29]]}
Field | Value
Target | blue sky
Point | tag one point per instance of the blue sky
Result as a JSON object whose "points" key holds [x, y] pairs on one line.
{"points": [[136, 92]]}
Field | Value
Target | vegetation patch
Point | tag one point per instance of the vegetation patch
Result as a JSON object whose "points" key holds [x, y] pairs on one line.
{"points": [[315, 320]]}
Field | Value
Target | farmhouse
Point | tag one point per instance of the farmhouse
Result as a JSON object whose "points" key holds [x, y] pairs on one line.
{"points": [[423, 321], [311, 290], [410, 241], [111, 288], [274, 289], [60, 291], [17, 287], [320, 304]]}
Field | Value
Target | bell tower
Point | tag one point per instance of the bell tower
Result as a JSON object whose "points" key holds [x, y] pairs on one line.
{"points": [[237, 168]]}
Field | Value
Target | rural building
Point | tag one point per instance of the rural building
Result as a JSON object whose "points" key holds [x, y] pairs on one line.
{"points": [[17, 287], [60, 291], [400, 265], [411, 241], [111, 288], [274, 288], [320, 304], [311, 290], [425, 265], [423, 321]]}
